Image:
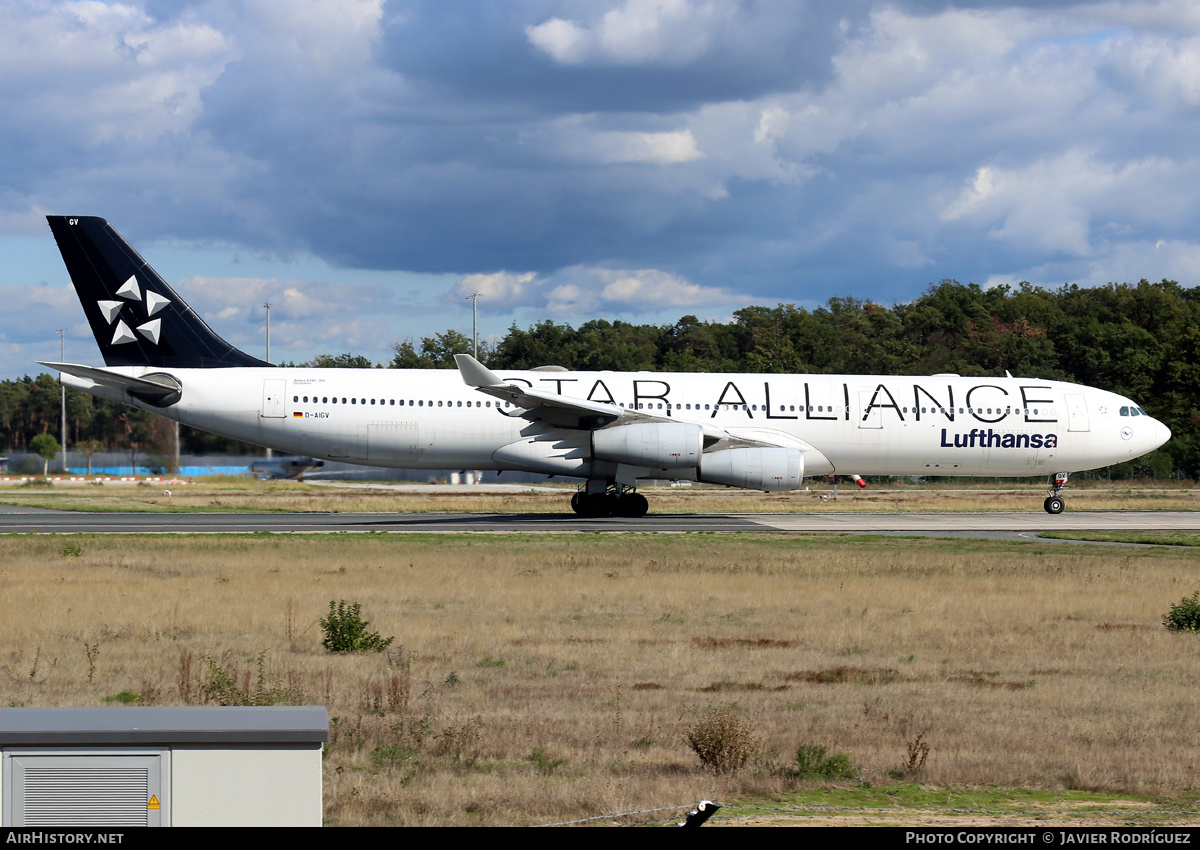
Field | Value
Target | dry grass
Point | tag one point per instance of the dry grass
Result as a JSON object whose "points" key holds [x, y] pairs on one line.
{"points": [[255, 496], [545, 678]]}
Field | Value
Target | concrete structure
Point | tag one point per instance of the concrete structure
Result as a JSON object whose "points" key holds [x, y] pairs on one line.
{"points": [[207, 766]]}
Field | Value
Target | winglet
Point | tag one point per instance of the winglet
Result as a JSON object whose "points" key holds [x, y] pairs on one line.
{"points": [[474, 373]]}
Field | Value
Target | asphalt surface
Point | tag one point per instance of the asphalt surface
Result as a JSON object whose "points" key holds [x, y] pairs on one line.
{"points": [[1013, 525]]}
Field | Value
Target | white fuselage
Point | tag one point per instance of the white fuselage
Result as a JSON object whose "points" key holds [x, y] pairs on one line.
{"points": [[868, 425]]}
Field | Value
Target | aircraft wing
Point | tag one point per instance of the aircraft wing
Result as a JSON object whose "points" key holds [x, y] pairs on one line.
{"points": [[574, 413], [557, 410]]}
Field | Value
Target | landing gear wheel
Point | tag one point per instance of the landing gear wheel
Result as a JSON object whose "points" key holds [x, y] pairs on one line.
{"points": [[598, 504], [579, 504], [1054, 504], [631, 505], [638, 506]]}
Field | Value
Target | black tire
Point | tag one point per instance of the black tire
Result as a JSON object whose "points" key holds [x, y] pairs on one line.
{"points": [[579, 504], [1055, 505], [630, 505], [599, 504]]}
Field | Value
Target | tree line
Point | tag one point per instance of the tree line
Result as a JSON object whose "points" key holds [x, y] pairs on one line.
{"points": [[1139, 340]]}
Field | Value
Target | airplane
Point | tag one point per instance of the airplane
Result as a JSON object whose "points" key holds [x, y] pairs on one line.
{"points": [[610, 429], [290, 468]]}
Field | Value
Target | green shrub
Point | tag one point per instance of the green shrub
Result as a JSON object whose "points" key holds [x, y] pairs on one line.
{"points": [[544, 763], [1184, 615], [125, 697], [814, 762], [346, 630]]}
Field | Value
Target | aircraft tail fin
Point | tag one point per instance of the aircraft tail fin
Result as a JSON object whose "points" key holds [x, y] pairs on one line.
{"points": [[136, 317]]}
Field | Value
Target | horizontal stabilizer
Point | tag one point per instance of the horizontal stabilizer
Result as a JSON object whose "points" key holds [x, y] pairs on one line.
{"points": [[158, 390]]}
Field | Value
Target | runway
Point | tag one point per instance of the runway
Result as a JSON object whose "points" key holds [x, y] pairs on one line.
{"points": [[1013, 525]]}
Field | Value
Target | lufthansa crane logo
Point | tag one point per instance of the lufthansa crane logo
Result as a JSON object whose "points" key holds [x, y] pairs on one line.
{"points": [[153, 303]]}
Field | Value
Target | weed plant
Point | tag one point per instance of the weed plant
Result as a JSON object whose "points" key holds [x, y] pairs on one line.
{"points": [[723, 740], [231, 686]]}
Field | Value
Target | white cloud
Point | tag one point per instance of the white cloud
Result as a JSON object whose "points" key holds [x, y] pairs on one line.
{"points": [[636, 32], [106, 71], [1068, 202], [243, 298], [566, 41], [497, 288], [577, 138], [588, 292]]}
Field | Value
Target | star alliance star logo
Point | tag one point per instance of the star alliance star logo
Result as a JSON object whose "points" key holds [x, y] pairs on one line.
{"points": [[130, 291]]}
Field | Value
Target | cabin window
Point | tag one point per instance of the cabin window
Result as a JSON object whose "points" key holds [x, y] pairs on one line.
{"points": [[460, 404], [325, 399], [295, 398]]}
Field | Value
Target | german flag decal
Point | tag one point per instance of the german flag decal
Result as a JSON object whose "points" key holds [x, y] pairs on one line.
{"points": [[297, 415]]}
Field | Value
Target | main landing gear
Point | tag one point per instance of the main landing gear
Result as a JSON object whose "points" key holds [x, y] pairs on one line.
{"points": [[1055, 503], [613, 500]]}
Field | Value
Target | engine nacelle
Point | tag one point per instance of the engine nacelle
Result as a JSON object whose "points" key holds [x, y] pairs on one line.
{"points": [[770, 469], [659, 445]]}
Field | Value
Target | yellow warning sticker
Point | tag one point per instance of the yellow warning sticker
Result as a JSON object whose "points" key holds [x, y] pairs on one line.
{"points": [[153, 804]]}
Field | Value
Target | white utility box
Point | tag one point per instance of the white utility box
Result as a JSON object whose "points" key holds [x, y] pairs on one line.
{"points": [[206, 766]]}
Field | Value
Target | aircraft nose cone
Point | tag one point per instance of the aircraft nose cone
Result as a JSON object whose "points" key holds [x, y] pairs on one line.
{"points": [[1162, 435]]}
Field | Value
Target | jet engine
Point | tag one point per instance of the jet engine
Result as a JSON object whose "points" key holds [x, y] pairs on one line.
{"points": [[658, 445], [770, 469]]}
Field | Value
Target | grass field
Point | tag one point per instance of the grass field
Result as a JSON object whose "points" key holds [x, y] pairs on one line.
{"points": [[245, 495], [542, 678]]}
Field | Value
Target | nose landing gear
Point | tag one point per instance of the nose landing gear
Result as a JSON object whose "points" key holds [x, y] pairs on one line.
{"points": [[1055, 504], [614, 500]]}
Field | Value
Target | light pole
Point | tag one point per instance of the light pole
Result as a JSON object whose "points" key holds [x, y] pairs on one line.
{"points": [[267, 307], [62, 358], [474, 299]]}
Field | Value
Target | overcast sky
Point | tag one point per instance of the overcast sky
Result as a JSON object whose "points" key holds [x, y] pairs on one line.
{"points": [[366, 164]]}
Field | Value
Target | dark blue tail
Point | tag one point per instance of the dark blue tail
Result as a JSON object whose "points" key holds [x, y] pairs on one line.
{"points": [[137, 319]]}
